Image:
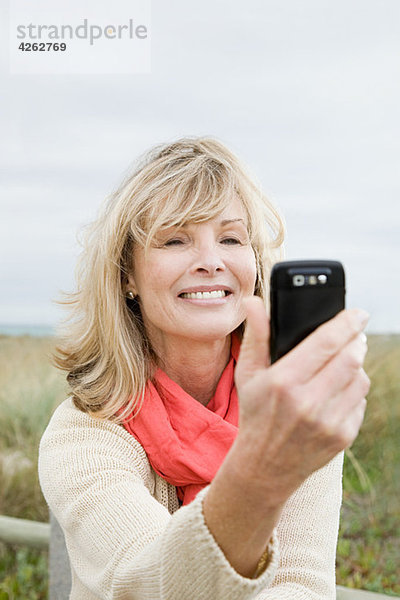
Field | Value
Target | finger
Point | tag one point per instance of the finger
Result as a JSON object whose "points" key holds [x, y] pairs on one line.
{"points": [[352, 425], [341, 370], [349, 427], [254, 349], [341, 416], [312, 354], [337, 408], [349, 398]]}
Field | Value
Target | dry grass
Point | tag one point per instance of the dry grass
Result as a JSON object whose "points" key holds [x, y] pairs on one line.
{"points": [[369, 542], [30, 389], [369, 547]]}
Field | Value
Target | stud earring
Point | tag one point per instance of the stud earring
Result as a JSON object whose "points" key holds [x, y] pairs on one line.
{"points": [[131, 295]]}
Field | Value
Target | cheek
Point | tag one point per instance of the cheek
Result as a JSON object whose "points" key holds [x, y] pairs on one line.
{"points": [[158, 276], [246, 270], [151, 287]]}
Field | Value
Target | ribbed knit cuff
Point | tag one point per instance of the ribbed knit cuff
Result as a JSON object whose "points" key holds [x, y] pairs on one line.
{"points": [[268, 563]]}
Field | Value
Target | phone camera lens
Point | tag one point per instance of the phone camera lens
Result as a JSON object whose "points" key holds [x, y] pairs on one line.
{"points": [[298, 280]]}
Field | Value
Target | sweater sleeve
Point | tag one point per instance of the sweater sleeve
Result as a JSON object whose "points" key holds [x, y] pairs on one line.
{"points": [[307, 532], [122, 543]]}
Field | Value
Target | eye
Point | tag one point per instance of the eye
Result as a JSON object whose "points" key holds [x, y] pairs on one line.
{"points": [[230, 241], [174, 242]]}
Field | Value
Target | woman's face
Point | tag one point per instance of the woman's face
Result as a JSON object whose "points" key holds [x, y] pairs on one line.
{"points": [[192, 282]]}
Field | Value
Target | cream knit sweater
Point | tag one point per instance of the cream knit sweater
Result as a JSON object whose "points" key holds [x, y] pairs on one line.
{"points": [[126, 538]]}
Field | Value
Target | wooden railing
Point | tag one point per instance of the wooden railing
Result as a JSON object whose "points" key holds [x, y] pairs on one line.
{"points": [[343, 593], [24, 532]]}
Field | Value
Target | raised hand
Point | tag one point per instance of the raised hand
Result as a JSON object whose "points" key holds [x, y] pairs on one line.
{"points": [[300, 412]]}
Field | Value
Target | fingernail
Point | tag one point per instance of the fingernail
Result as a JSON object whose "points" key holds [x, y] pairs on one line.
{"points": [[363, 337], [362, 317]]}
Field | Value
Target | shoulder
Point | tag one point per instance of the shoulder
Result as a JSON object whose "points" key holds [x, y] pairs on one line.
{"points": [[69, 423], [75, 440]]}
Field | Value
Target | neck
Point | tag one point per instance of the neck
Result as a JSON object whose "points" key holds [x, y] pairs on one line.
{"points": [[196, 366]]}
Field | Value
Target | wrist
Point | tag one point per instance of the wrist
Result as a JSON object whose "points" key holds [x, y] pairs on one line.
{"points": [[255, 472]]}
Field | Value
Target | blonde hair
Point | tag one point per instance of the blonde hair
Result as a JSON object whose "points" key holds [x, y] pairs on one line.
{"points": [[103, 346]]}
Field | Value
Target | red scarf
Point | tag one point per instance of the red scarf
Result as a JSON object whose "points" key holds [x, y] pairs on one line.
{"points": [[185, 441]]}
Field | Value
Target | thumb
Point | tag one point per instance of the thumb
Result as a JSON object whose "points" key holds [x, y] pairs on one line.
{"points": [[254, 349]]}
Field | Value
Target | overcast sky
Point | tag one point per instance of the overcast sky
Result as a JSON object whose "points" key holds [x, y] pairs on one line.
{"points": [[306, 93]]}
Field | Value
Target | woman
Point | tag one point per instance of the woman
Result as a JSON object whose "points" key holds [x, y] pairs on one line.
{"points": [[183, 465]]}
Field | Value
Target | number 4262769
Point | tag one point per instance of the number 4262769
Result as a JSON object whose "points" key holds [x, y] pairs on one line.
{"points": [[42, 47]]}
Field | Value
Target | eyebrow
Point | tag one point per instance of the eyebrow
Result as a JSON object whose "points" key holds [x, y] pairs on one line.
{"points": [[227, 221], [222, 223]]}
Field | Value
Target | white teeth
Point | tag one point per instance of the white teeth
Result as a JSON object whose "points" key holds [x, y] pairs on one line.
{"points": [[199, 295]]}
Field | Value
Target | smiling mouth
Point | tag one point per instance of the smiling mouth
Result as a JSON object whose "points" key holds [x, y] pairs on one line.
{"points": [[205, 295]]}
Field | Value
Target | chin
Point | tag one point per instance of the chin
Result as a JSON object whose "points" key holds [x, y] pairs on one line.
{"points": [[211, 331]]}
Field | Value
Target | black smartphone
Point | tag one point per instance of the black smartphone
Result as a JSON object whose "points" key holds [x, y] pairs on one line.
{"points": [[304, 294]]}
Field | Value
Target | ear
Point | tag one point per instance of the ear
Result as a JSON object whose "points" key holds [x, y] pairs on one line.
{"points": [[131, 286]]}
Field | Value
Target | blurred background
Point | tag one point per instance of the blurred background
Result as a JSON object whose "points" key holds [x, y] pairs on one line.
{"points": [[307, 94]]}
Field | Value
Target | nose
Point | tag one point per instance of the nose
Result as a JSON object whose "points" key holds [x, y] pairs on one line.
{"points": [[208, 259]]}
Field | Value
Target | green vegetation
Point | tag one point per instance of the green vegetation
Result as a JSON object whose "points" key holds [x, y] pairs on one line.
{"points": [[30, 390], [368, 553], [23, 574], [369, 542]]}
